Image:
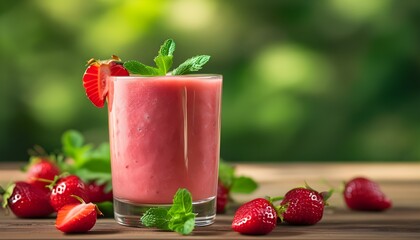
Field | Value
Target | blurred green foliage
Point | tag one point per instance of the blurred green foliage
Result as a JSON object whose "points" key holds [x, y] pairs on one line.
{"points": [[327, 80]]}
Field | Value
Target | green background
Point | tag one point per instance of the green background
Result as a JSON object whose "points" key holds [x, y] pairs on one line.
{"points": [[326, 80]]}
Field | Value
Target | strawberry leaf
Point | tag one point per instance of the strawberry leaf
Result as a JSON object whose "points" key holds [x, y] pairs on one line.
{"points": [[7, 194]]}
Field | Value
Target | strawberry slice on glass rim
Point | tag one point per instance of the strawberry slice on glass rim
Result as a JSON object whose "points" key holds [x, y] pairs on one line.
{"points": [[95, 78]]}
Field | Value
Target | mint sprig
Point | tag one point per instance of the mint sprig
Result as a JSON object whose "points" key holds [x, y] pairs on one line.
{"points": [[179, 217], [164, 61]]}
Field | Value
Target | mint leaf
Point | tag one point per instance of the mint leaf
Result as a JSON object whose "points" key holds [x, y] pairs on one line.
{"points": [[182, 202], [183, 224], [164, 63], [135, 67], [178, 218], [243, 184], [181, 212], [156, 217], [167, 48], [191, 65], [165, 56]]}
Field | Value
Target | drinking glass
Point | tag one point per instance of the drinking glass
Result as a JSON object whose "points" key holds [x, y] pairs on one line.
{"points": [[164, 134]]}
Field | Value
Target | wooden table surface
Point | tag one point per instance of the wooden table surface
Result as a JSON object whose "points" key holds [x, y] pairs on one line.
{"points": [[400, 181]]}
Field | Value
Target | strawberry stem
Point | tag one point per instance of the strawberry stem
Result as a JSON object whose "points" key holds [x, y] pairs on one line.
{"points": [[42, 180], [274, 199], [78, 198], [56, 178], [326, 195], [2, 191], [98, 211]]}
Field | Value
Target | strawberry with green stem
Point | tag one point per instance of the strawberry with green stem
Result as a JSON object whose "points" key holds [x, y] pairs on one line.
{"points": [[26, 200], [98, 193], [300, 206], [40, 171], [62, 189], [256, 217], [303, 206]]}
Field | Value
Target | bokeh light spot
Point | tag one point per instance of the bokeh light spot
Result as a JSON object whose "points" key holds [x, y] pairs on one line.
{"points": [[190, 14], [290, 67], [52, 104]]}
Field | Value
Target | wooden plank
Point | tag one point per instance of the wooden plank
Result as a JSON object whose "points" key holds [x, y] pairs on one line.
{"points": [[400, 181]]}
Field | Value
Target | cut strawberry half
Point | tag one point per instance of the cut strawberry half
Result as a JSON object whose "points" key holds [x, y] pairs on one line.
{"points": [[95, 78], [77, 217]]}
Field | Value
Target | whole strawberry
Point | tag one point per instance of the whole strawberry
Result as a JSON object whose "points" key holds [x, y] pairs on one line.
{"points": [[40, 169], [302, 206], [222, 198], [26, 200], [78, 218], [365, 195], [63, 190], [257, 217], [98, 193]]}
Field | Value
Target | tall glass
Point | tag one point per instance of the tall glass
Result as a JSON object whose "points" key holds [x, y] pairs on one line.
{"points": [[164, 134]]}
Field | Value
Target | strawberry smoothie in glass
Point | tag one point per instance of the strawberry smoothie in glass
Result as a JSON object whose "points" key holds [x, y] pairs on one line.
{"points": [[164, 135]]}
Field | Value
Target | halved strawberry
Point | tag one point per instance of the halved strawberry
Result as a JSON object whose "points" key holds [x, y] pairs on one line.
{"points": [[77, 217], [95, 78]]}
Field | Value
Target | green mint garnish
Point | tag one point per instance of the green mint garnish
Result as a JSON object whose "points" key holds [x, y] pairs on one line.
{"points": [[135, 67], [191, 65], [179, 217], [164, 61]]}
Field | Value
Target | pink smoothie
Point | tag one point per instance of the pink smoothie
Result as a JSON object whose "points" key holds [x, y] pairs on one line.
{"points": [[164, 135]]}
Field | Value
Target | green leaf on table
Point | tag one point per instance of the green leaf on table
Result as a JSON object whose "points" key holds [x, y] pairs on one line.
{"points": [[191, 65], [179, 217], [243, 184]]}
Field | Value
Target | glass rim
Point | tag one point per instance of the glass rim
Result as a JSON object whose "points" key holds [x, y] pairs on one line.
{"points": [[192, 76]]}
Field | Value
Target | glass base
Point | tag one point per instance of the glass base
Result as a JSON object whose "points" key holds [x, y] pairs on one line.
{"points": [[128, 214]]}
